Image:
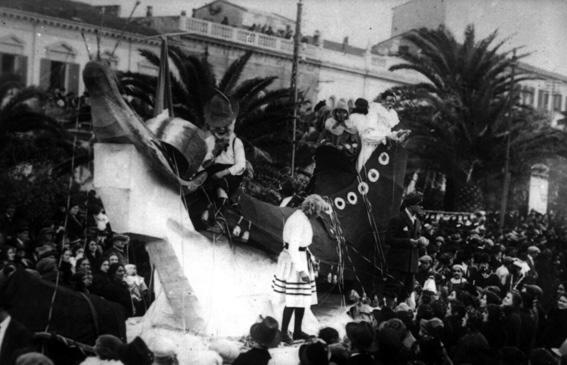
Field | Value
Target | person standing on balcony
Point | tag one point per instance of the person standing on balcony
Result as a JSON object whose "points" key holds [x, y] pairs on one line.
{"points": [[225, 21]]}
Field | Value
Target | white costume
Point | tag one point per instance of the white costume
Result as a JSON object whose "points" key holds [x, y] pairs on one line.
{"points": [[295, 257], [373, 128]]}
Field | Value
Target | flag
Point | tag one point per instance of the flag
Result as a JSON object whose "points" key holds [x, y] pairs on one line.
{"points": [[163, 99]]}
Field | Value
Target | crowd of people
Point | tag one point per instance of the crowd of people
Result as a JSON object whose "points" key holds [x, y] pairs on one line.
{"points": [[77, 250], [461, 289], [478, 295]]}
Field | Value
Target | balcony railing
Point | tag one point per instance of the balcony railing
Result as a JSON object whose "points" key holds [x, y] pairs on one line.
{"points": [[285, 46], [243, 36]]}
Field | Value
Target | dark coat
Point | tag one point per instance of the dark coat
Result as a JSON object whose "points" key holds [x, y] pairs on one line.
{"points": [[117, 291], [361, 359], [253, 357], [402, 255], [16, 338]]}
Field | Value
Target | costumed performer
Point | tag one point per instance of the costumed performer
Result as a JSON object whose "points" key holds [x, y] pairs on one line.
{"points": [[375, 128], [337, 132], [294, 280], [225, 161]]}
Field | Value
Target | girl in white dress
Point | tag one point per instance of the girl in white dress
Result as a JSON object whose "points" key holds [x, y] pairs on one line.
{"points": [[294, 280]]}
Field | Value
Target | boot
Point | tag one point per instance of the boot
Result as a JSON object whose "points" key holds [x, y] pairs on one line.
{"points": [[286, 338]]}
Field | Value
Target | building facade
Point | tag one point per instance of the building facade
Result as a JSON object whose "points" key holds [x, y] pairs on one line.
{"points": [[50, 52]]}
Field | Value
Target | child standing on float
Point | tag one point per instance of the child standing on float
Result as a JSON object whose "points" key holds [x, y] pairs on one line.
{"points": [[294, 280]]}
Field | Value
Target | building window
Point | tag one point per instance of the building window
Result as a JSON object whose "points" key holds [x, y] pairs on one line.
{"points": [[557, 102], [528, 96], [59, 75], [58, 70], [12, 60], [14, 64], [543, 100]]}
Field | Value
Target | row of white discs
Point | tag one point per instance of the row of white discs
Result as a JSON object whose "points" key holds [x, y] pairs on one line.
{"points": [[373, 176]]}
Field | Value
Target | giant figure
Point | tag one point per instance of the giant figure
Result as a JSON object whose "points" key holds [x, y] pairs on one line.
{"points": [[143, 171]]}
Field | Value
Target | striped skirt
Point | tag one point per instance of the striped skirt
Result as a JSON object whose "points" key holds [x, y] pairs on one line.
{"points": [[288, 287]]}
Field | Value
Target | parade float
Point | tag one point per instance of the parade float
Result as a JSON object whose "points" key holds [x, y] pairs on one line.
{"points": [[210, 286]]}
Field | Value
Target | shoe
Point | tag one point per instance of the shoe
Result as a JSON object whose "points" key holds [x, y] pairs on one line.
{"points": [[301, 336], [286, 339]]}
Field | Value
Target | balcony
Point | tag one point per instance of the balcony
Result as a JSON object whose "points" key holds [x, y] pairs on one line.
{"points": [[368, 62], [245, 37]]}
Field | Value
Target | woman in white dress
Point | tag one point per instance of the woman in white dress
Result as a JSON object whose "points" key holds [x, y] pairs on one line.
{"points": [[294, 280]]}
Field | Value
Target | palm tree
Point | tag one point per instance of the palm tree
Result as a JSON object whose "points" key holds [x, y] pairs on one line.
{"points": [[25, 130], [264, 114], [32, 144], [463, 114]]}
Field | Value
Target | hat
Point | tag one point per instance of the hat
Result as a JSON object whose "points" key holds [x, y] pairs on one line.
{"points": [[534, 250], [120, 237], [402, 307], [136, 353], [432, 327], [315, 353], [413, 198], [220, 111], [44, 251], [458, 267], [33, 358], [533, 290], [360, 106], [341, 105], [440, 239], [492, 298], [266, 333], [108, 347], [360, 334], [425, 258], [46, 265]]}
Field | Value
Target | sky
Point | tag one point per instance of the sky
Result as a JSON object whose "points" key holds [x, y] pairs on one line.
{"points": [[538, 25]]}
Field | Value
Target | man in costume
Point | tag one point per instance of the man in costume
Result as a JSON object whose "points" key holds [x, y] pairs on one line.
{"points": [[404, 238], [225, 161], [294, 281]]}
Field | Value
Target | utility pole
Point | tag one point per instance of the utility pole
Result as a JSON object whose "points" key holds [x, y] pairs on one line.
{"points": [[293, 84], [507, 175]]}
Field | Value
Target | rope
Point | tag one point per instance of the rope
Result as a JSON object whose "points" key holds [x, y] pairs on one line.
{"points": [[58, 278], [85, 349]]}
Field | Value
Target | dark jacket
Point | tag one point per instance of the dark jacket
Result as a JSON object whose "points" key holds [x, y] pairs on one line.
{"points": [[117, 291], [402, 255], [16, 338], [253, 357]]}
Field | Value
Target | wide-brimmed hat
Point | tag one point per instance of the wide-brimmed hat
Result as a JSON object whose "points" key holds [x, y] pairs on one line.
{"points": [[220, 111], [266, 333]]}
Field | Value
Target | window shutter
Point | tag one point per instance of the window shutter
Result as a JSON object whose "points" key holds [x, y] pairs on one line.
{"points": [[22, 68], [73, 80], [44, 73]]}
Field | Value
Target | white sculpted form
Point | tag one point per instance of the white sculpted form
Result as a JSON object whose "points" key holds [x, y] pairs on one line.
{"points": [[202, 285]]}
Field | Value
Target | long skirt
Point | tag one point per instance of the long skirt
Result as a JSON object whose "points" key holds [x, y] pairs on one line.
{"points": [[288, 286]]}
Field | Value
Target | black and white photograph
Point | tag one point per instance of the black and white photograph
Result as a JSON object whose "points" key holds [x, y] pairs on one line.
{"points": [[290, 182]]}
